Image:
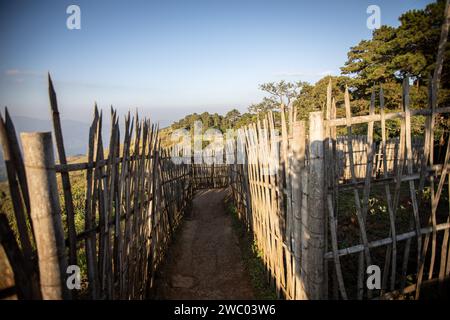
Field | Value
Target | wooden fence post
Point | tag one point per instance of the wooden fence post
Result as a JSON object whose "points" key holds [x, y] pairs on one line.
{"points": [[297, 169], [45, 213], [313, 220]]}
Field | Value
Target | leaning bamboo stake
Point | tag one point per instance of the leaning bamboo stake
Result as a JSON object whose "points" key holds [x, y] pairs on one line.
{"points": [[90, 214], [18, 206], [434, 205], [445, 254], [361, 221], [434, 95], [412, 189], [435, 85], [18, 161], [334, 243], [68, 201], [21, 278], [370, 152], [368, 174], [409, 161], [45, 213], [387, 190]]}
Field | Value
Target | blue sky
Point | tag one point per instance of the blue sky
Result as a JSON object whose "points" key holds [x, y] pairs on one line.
{"points": [[170, 58]]}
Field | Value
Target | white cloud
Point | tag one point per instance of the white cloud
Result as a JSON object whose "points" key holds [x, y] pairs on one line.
{"points": [[12, 72], [326, 73], [306, 74], [17, 72]]}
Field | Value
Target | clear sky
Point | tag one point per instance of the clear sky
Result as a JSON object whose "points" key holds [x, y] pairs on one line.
{"points": [[171, 58]]}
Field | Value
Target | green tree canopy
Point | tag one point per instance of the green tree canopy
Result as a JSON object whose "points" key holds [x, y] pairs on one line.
{"points": [[393, 53]]}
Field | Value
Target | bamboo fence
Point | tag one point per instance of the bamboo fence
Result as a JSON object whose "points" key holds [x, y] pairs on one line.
{"points": [[359, 143], [135, 197], [294, 211], [268, 192], [288, 190], [411, 167]]}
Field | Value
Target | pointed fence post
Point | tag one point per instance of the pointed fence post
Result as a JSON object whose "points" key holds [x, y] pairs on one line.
{"points": [[313, 219], [45, 213]]}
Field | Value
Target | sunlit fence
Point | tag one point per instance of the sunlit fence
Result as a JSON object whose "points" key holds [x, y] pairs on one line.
{"points": [[339, 207]]}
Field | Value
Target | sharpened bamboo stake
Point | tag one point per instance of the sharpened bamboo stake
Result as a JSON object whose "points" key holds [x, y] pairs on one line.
{"points": [[90, 213], [16, 195], [67, 190]]}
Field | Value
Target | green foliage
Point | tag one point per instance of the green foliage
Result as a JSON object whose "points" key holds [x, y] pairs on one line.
{"points": [[232, 120], [253, 260], [393, 53]]}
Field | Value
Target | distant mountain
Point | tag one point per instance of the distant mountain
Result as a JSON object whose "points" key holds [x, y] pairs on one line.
{"points": [[75, 134]]}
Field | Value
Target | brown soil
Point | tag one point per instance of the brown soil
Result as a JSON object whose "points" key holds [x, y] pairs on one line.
{"points": [[204, 261]]}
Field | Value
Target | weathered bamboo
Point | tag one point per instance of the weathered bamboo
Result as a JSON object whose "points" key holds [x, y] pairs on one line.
{"points": [[68, 201], [17, 200], [368, 175], [25, 286], [298, 165], [90, 214], [412, 188], [435, 84], [329, 177], [361, 220], [386, 241], [393, 233], [434, 204], [45, 213], [334, 243], [313, 227], [18, 161]]}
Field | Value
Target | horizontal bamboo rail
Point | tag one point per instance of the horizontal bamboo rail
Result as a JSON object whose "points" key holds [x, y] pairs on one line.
{"points": [[388, 116], [387, 241]]}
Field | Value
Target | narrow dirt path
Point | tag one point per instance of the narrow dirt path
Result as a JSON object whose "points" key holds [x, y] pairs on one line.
{"points": [[204, 261]]}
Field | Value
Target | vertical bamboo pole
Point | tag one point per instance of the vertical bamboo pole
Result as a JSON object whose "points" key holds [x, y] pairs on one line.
{"points": [[328, 174], [90, 242], [45, 213], [313, 228], [298, 164]]}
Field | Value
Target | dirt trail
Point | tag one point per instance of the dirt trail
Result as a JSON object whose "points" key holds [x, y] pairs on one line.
{"points": [[204, 261]]}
